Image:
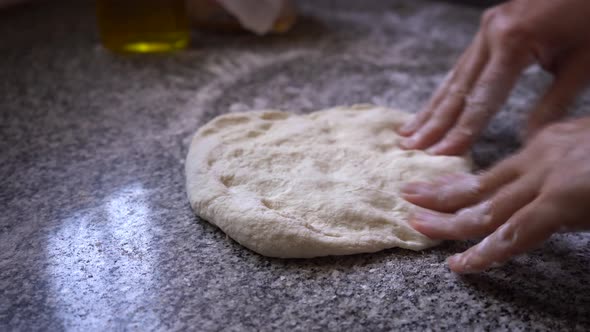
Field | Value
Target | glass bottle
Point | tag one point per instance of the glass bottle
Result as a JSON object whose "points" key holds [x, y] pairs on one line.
{"points": [[143, 26]]}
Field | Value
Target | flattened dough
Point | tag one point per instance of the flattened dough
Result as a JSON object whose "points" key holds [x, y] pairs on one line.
{"points": [[325, 183]]}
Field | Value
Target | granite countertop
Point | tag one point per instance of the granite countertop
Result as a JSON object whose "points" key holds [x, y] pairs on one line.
{"points": [[96, 232]]}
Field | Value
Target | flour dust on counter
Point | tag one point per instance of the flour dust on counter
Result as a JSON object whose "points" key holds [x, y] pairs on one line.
{"points": [[326, 183]]}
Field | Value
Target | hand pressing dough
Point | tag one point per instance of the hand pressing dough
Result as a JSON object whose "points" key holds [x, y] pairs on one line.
{"points": [[325, 183]]}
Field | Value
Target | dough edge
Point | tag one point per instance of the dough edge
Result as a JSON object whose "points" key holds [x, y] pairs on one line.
{"points": [[294, 239]]}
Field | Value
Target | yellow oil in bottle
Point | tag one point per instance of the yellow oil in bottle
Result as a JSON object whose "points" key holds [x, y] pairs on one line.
{"points": [[143, 26]]}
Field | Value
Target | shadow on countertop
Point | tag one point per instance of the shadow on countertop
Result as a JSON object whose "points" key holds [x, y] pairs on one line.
{"points": [[546, 283], [543, 280]]}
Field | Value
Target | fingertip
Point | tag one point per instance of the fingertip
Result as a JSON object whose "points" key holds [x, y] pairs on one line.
{"points": [[409, 127], [414, 188], [438, 148], [422, 194], [408, 143], [430, 224], [415, 223], [418, 141], [424, 200], [456, 142], [451, 178], [419, 226], [421, 201], [405, 131], [446, 149], [412, 198], [459, 264], [454, 263]]}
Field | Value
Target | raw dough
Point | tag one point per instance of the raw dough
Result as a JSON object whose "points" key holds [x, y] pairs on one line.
{"points": [[325, 183]]}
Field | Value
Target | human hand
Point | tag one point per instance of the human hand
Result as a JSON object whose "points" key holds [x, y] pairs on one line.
{"points": [[511, 37], [518, 204]]}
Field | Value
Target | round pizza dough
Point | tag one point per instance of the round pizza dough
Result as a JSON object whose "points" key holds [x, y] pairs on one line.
{"points": [[325, 183]]}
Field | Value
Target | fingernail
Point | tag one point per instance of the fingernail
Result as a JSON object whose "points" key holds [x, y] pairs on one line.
{"points": [[458, 263], [408, 143], [453, 178], [410, 188], [407, 127], [415, 189], [425, 217], [434, 150], [445, 179], [454, 260], [438, 148]]}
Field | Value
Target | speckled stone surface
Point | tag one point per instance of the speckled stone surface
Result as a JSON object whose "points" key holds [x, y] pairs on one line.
{"points": [[95, 229]]}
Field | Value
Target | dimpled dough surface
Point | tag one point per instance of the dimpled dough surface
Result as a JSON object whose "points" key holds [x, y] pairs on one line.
{"points": [[325, 183]]}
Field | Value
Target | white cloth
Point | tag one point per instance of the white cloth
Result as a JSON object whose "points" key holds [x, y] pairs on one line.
{"points": [[255, 15]]}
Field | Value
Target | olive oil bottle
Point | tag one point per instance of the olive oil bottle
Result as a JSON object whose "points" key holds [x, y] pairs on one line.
{"points": [[143, 26]]}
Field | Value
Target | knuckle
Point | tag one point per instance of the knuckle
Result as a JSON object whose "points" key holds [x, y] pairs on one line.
{"points": [[463, 133], [455, 88], [490, 218], [506, 29], [509, 236], [435, 125], [458, 91], [510, 34], [488, 16], [481, 100], [495, 204], [500, 215], [477, 217]]}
